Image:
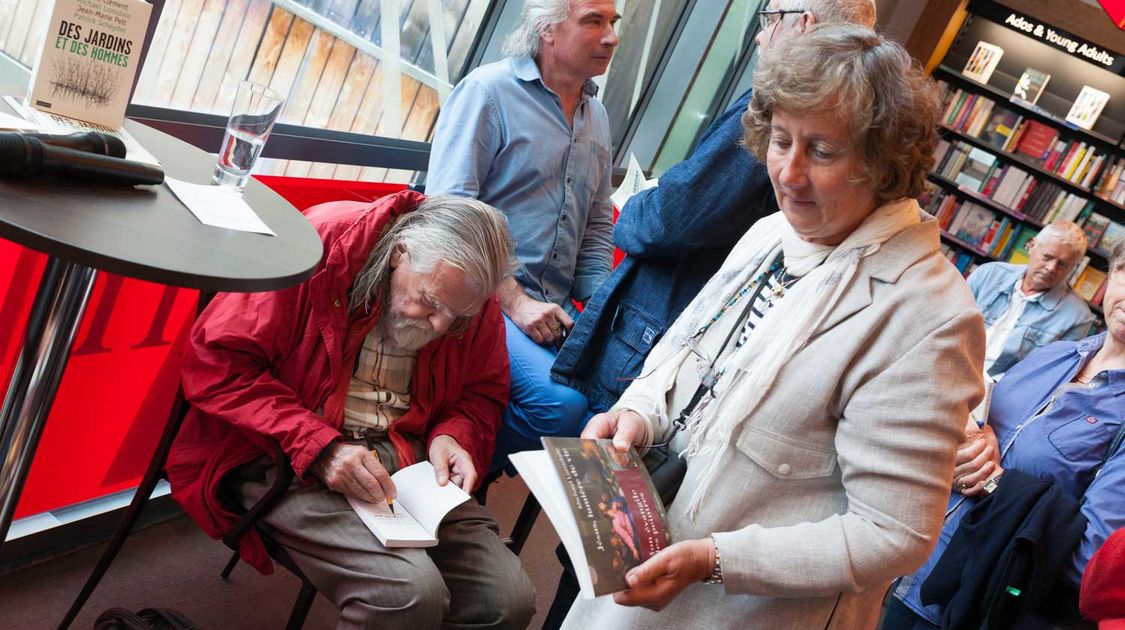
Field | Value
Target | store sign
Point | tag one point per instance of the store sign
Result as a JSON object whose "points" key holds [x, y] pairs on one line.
{"points": [[1055, 37]]}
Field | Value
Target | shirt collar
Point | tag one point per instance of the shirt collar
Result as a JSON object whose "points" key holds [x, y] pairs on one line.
{"points": [[1049, 299], [526, 69], [1087, 348]]}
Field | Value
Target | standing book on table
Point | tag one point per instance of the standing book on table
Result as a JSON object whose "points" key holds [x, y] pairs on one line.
{"points": [[89, 58], [603, 505]]}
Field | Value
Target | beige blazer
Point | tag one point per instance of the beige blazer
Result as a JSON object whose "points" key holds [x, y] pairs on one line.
{"points": [[837, 483]]}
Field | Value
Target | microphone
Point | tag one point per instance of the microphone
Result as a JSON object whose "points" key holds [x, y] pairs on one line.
{"points": [[89, 141], [25, 156]]}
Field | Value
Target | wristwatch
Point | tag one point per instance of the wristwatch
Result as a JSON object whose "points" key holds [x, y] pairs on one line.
{"points": [[991, 485], [716, 576]]}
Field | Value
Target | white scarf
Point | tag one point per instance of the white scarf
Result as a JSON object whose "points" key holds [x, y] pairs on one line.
{"points": [[826, 273]]}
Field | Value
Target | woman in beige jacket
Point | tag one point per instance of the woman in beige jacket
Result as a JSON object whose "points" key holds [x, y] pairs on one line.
{"points": [[822, 378]]}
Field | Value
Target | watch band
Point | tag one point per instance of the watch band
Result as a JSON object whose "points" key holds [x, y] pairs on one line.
{"points": [[991, 485], [716, 576]]}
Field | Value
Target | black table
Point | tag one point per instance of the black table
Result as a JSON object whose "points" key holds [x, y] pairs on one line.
{"points": [[142, 232]]}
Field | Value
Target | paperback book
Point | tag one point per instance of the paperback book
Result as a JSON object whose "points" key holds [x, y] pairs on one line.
{"points": [[1031, 84], [417, 512], [983, 61], [1087, 107], [88, 60], [603, 505]]}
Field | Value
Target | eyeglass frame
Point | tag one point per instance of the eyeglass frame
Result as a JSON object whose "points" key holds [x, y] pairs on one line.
{"points": [[765, 15]]}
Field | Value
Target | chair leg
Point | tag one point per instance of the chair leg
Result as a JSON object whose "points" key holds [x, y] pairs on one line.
{"points": [[524, 522], [301, 607], [230, 565], [125, 527]]}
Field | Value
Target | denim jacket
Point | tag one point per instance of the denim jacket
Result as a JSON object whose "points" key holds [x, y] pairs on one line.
{"points": [[1058, 314], [676, 237]]}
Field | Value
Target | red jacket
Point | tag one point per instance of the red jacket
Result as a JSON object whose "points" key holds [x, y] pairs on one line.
{"points": [[258, 366]]}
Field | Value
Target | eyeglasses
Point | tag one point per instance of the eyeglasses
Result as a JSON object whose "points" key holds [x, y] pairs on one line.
{"points": [[769, 19]]}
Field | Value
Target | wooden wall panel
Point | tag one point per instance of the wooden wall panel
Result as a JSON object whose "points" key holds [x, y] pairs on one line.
{"points": [[207, 26], [150, 71], [242, 57], [219, 56]]}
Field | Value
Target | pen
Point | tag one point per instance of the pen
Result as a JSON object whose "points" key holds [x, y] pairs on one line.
{"points": [[391, 503]]}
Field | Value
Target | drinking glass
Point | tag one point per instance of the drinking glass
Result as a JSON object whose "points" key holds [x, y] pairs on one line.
{"points": [[251, 119]]}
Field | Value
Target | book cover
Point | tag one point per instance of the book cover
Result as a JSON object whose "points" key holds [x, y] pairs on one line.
{"points": [[91, 53], [978, 220], [1036, 140], [1089, 283], [1001, 125], [1087, 107], [603, 505], [976, 169], [1019, 246], [1113, 234], [1031, 85], [983, 61]]}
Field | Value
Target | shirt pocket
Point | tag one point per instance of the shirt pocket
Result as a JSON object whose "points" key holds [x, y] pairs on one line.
{"points": [[632, 334], [784, 457], [597, 166], [1084, 438], [1034, 338]]}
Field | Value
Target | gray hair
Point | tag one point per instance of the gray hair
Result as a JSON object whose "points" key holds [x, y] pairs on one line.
{"points": [[1065, 232], [891, 107], [462, 233], [1117, 258], [536, 18], [861, 12]]}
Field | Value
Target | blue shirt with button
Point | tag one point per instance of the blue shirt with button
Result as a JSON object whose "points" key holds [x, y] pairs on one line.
{"points": [[502, 138], [1051, 429], [1057, 314]]}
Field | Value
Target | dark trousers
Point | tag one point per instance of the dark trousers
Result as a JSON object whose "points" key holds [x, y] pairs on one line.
{"points": [[898, 616]]}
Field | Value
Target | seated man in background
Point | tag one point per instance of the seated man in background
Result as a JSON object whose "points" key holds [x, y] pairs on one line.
{"points": [[1029, 306], [527, 136], [393, 352], [677, 234]]}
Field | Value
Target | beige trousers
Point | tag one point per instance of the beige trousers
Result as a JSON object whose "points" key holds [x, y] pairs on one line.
{"points": [[469, 580]]}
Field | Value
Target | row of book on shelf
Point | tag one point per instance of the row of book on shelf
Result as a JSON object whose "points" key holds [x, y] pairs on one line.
{"points": [[1079, 162], [1004, 238]]}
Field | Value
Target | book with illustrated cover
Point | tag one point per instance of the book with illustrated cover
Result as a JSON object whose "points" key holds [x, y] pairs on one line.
{"points": [[1087, 107], [419, 508], [1000, 127], [1031, 85], [1114, 232], [983, 61], [1036, 140], [1019, 246], [88, 60], [1094, 227], [976, 169], [603, 505], [1089, 282]]}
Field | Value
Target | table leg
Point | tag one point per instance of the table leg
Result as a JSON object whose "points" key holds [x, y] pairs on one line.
{"points": [[59, 303]]}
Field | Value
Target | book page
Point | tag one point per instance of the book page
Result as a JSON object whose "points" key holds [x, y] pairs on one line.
{"points": [[393, 530], [537, 471], [633, 183], [420, 494], [50, 123]]}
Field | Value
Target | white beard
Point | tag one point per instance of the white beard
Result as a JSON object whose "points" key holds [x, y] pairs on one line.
{"points": [[404, 333]]}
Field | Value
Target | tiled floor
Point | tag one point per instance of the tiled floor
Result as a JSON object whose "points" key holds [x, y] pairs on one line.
{"points": [[175, 565]]}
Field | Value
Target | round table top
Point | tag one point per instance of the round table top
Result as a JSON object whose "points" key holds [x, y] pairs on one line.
{"points": [[145, 232]]}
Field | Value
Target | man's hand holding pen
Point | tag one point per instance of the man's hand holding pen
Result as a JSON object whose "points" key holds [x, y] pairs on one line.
{"points": [[353, 470]]}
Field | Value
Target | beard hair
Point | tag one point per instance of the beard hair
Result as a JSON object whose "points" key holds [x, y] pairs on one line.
{"points": [[405, 333]]}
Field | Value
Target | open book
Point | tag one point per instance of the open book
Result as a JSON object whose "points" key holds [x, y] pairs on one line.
{"points": [[603, 506], [633, 183], [419, 508]]}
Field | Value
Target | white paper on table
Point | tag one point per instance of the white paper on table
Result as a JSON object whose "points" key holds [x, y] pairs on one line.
{"points": [[7, 121], [218, 206], [633, 183], [45, 122]]}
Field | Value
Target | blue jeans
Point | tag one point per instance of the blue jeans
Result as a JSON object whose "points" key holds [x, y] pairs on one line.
{"points": [[538, 406]]}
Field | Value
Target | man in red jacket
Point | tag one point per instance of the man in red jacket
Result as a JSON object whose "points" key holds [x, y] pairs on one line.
{"points": [[391, 353]]}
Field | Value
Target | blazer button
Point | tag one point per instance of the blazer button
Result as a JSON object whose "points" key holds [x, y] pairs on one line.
{"points": [[337, 303], [784, 469]]}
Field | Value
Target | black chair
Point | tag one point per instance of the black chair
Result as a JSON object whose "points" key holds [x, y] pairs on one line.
{"points": [[153, 474], [524, 522]]}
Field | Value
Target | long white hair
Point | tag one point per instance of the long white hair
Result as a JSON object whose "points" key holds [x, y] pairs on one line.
{"points": [[536, 17]]}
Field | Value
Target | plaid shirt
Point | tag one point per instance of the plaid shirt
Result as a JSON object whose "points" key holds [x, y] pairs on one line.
{"points": [[379, 393]]}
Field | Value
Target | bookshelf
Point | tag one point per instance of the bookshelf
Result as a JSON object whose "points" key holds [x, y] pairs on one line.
{"points": [[1007, 166]]}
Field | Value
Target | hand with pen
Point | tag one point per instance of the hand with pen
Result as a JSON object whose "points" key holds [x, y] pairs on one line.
{"points": [[355, 471]]}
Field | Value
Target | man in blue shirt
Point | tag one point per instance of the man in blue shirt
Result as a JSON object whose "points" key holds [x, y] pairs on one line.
{"points": [[1029, 306], [1053, 416], [527, 136], [677, 234]]}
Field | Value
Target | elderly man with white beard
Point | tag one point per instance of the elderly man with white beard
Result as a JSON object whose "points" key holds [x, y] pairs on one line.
{"points": [[392, 353]]}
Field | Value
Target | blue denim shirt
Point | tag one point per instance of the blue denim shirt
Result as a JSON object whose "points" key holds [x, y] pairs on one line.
{"points": [[1057, 314], [502, 137], [676, 235], [1066, 443]]}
